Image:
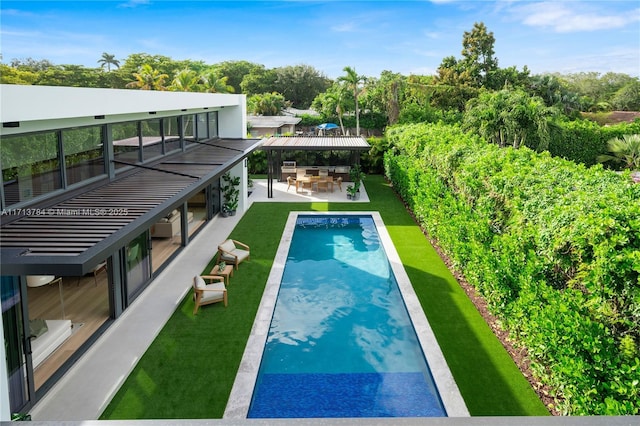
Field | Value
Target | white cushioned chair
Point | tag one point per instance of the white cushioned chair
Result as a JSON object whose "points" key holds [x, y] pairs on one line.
{"points": [[206, 294], [233, 252]]}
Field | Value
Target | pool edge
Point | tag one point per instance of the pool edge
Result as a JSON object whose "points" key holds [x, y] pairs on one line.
{"points": [[243, 386]]}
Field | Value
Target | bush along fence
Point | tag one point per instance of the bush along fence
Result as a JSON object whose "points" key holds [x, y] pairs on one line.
{"points": [[582, 140], [553, 246]]}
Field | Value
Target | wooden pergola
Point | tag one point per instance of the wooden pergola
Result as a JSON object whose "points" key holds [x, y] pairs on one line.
{"points": [[275, 146]]}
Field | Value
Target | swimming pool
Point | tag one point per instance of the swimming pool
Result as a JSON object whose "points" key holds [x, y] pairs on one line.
{"points": [[337, 340]]}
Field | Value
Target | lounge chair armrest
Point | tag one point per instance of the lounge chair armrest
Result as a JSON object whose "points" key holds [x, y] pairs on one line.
{"points": [[244, 246], [218, 278], [213, 289]]}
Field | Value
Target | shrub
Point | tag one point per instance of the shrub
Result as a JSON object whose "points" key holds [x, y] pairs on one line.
{"points": [[582, 141], [553, 246]]}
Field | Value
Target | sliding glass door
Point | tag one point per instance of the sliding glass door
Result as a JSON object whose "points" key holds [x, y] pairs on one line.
{"points": [[138, 262], [12, 321]]}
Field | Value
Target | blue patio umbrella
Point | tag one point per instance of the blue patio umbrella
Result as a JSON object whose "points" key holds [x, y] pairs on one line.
{"points": [[327, 126]]}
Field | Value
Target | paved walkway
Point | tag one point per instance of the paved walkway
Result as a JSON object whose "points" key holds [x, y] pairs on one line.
{"points": [[87, 388]]}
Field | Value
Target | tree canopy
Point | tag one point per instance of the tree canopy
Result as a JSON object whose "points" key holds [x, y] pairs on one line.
{"points": [[377, 101]]}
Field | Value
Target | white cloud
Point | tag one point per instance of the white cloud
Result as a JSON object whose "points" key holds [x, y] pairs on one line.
{"points": [[574, 17], [344, 28], [16, 12], [433, 34], [134, 3]]}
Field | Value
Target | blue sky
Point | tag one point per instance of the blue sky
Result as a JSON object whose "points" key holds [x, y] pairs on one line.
{"points": [[408, 37]]}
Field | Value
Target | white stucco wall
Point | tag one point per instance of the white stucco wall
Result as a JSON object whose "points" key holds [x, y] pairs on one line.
{"points": [[39, 108], [234, 119]]}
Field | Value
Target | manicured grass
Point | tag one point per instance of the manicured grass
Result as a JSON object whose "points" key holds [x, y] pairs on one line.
{"points": [[189, 369]]}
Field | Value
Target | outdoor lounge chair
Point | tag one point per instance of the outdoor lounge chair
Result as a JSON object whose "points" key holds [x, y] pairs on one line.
{"points": [[233, 252], [206, 294]]}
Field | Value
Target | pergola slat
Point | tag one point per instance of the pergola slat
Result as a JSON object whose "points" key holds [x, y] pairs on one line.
{"points": [[74, 226]]}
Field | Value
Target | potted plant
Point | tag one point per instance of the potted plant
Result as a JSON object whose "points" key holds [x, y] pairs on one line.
{"points": [[352, 192], [357, 176], [221, 265], [230, 192], [249, 186]]}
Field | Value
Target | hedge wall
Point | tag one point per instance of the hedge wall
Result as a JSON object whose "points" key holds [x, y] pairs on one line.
{"points": [[554, 247], [583, 140]]}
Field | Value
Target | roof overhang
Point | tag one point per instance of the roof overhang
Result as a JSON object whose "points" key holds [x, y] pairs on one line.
{"points": [[60, 102], [73, 236], [316, 143], [276, 121]]}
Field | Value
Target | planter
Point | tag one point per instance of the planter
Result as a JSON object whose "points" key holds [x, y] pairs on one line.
{"points": [[230, 192], [227, 213]]}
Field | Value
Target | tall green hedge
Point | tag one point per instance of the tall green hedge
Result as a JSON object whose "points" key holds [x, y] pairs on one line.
{"points": [[583, 140], [554, 247]]}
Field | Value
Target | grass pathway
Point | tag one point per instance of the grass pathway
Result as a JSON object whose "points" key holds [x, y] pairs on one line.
{"points": [[189, 369]]}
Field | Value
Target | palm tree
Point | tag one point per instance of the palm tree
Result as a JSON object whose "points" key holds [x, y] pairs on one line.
{"points": [[353, 80], [338, 99], [108, 60], [510, 117], [148, 78], [267, 104], [624, 150], [213, 83], [185, 80]]}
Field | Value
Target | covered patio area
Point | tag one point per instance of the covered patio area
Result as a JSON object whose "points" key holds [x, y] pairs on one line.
{"points": [[279, 148], [283, 193]]}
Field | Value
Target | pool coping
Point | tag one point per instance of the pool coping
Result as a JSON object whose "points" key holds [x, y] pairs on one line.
{"points": [[243, 386]]}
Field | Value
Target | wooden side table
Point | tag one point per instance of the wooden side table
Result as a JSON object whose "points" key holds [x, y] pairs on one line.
{"points": [[226, 272]]}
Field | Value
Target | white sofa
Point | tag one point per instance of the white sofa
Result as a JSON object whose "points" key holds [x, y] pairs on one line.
{"points": [[169, 225], [44, 345]]}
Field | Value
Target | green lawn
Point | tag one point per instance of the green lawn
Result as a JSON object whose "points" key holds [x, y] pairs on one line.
{"points": [[189, 369]]}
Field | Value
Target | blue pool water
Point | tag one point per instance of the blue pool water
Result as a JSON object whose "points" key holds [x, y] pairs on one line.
{"points": [[341, 343]]}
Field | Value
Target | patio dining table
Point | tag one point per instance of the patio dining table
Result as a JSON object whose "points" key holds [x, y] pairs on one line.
{"points": [[313, 181]]}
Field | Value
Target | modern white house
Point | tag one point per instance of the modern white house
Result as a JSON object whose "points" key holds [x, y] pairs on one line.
{"points": [[101, 189], [261, 126]]}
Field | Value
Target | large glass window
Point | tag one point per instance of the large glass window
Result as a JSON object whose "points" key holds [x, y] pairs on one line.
{"points": [[171, 132], [213, 124], [201, 126], [126, 143], [138, 265], [189, 128], [151, 139], [30, 166], [83, 153], [13, 338]]}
